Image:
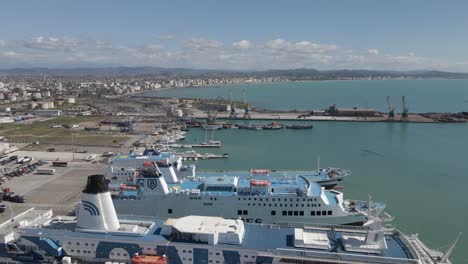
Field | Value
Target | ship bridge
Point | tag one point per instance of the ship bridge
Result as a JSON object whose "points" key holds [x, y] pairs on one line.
{"points": [[220, 184]]}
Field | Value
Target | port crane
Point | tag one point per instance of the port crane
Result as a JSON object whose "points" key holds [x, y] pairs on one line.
{"points": [[246, 105], [404, 113], [391, 110], [233, 113], [212, 115]]}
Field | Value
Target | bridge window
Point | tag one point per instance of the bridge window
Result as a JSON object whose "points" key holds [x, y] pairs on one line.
{"points": [[296, 213], [324, 212], [312, 213], [169, 211], [285, 213], [290, 212], [245, 212], [330, 212], [239, 212], [318, 213], [273, 212], [301, 213]]}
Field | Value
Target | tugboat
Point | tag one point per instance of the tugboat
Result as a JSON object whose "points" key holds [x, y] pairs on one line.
{"points": [[273, 126]]}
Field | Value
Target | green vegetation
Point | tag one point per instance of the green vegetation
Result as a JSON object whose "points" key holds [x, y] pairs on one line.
{"points": [[37, 128], [42, 132]]}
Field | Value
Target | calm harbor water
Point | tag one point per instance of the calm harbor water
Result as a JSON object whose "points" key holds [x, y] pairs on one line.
{"points": [[422, 95], [419, 170]]}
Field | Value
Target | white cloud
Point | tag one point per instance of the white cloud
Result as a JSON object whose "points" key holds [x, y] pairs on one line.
{"points": [[166, 37], [242, 44], [202, 44], [9, 53], [281, 46], [373, 51], [206, 53], [52, 43]]}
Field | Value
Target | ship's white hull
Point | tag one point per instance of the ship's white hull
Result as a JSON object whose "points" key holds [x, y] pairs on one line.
{"points": [[297, 211]]}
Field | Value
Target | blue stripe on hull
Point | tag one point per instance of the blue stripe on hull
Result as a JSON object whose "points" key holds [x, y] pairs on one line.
{"points": [[200, 255], [231, 257], [104, 248]]}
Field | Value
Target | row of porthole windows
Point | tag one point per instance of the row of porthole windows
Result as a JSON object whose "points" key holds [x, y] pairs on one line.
{"points": [[86, 251], [118, 254], [122, 174], [285, 205], [301, 213], [199, 198], [279, 199], [77, 243]]}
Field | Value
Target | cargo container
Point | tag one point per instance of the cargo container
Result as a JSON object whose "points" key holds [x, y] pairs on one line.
{"points": [[45, 171], [59, 163]]}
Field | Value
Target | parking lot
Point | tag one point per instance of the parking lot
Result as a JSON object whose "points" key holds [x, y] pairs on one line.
{"points": [[60, 191]]}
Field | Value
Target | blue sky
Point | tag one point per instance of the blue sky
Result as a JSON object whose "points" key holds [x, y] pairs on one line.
{"points": [[365, 34]]}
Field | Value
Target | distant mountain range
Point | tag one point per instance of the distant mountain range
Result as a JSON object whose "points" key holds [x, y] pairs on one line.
{"points": [[292, 74]]}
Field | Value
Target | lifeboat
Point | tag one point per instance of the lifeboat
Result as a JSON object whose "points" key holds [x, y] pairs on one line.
{"points": [[259, 171], [128, 187], [259, 183], [147, 163], [143, 259]]}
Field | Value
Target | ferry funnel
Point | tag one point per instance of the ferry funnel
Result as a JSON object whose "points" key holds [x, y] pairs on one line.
{"points": [[151, 180], [97, 211]]}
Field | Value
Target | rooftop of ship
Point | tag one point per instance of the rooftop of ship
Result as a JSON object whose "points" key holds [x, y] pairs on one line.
{"points": [[259, 237]]}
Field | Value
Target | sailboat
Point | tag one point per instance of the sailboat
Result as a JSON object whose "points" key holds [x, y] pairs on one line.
{"points": [[211, 142]]}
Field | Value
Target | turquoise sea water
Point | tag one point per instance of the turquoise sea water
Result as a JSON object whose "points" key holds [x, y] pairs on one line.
{"points": [[420, 170], [422, 95]]}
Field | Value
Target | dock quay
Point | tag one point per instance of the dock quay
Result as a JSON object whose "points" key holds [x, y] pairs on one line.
{"points": [[203, 156], [194, 145], [302, 116]]}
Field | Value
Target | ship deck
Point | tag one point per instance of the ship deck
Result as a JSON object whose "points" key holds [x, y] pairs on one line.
{"points": [[266, 239], [313, 175], [243, 185]]}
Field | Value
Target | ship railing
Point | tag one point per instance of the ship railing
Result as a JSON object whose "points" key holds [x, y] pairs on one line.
{"points": [[320, 226], [406, 241], [342, 257]]}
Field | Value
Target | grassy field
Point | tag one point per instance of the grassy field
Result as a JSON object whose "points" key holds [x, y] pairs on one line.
{"points": [[43, 132]]}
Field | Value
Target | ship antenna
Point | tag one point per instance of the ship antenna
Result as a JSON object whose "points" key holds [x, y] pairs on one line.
{"points": [[447, 254], [369, 207], [318, 164]]}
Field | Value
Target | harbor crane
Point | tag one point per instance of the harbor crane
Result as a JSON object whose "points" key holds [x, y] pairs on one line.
{"points": [[404, 113], [246, 105], [212, 115], [233, 113], [391, 110]]}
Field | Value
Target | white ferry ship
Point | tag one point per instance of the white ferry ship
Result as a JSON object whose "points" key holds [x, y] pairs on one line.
{"points": [[277, 200], [97, 235]]}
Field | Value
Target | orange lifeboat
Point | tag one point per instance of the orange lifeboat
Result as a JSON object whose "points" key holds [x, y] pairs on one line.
{"points": [[259, 171], [259, 183], [143, 259], [127, 187]]}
